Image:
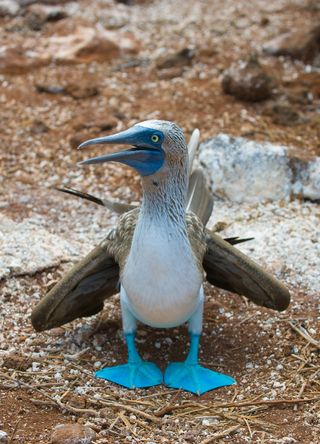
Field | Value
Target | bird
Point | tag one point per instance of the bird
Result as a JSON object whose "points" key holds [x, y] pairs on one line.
{"points": [[160, 254]]}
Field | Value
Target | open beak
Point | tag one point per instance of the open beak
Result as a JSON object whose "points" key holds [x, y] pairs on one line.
{"points": [[146, 157]]}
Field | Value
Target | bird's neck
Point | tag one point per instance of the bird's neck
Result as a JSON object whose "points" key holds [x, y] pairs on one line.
{"points": [[165, 198]]}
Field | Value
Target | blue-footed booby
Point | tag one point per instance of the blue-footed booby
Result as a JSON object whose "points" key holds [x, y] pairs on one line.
{"points": [[160, 252]]}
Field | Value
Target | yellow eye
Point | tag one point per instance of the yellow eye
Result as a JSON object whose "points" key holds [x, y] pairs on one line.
{"points": [[155, 138]]}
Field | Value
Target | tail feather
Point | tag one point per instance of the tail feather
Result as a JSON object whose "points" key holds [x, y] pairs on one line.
{"points": [[116, 207]]}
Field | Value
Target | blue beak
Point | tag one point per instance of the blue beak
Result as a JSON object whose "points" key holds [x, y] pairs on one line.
{"points": [[146, 156]]}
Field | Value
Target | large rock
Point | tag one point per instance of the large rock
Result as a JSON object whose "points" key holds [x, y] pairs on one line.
{"points": [[241, 170], [9, 8], [82, 45], [27, 248], [302, 44]]}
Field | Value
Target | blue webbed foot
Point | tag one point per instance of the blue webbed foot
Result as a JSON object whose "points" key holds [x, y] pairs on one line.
{"points": [[133, 375], [194, 378]]}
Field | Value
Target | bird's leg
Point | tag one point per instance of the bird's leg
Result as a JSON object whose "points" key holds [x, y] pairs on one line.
{"points": [[137, 373], [189, 375]]}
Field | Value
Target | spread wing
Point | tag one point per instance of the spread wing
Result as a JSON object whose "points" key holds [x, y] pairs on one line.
{"points": [[228, 268], [80, 292]]}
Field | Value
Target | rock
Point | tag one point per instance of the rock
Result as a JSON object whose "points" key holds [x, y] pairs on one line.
{"points": [[241, 170], [82, 45], [4, 439], [172, 59], [170, 73], [302, 44], [77, 91], [16, 362], [39, 127], [9, 8], [17, 59], [38, 15], [50, 89], [247, 80], [47, 2], [94, 122], [80, 91], [27, 248], [72, 434], [283, 113]]}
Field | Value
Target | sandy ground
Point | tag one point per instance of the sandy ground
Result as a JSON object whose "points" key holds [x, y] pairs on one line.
{"points": [[47, 378]]}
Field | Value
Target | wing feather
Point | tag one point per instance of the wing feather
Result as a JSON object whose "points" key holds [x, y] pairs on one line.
{"points": [[80, 292], [230, 269]]}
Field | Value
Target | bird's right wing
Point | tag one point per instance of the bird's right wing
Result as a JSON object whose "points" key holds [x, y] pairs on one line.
{"points": [[230, 269], [80, 292], [199, 200]]}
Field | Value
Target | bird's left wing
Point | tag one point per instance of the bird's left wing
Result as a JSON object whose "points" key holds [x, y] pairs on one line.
{"points": [[80, 292]]}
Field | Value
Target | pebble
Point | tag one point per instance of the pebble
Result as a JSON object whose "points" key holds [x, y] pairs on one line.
{"points": [[247, 80], [168, 60], [72, 434]]}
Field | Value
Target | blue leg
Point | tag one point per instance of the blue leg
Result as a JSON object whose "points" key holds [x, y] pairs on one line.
{"points": [[189, 375], [136, 373]]}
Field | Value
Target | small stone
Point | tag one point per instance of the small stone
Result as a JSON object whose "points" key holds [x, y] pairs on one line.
{"points": [[247, 80], [4, 439], [282, 113], [78, 91], [72, 434], [38, 15], [170, 73], [16, 361], [58, 331], [39, 127], [95, 123], [172, 59]]}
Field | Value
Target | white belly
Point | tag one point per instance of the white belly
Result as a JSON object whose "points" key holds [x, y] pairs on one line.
{"points": [[161, 278]]}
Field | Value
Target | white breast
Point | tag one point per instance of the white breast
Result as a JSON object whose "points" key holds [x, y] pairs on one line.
{"points": [[160, 277]]}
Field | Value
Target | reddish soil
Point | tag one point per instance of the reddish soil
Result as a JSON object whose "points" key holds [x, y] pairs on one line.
{"points": [[39, 133]]}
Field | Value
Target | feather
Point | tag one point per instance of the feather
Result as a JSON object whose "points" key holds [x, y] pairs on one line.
{"points": [[193, 146], [228, 268], [80, 292], [200, 200], [116, 207]]}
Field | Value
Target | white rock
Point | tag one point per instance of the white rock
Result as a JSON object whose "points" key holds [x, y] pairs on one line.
{"points": [[3, 437], [247, 171], [26, 248], [8, 7]]}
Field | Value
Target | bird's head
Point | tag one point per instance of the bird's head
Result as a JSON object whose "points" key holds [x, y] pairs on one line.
{"points": [[157, 146]]}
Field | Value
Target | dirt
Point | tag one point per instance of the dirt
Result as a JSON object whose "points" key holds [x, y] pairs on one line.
{"points": [[39, 132]]}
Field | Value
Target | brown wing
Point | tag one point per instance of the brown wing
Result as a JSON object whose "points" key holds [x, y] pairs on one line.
{"points": [[228, 268], [80, 292]]}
